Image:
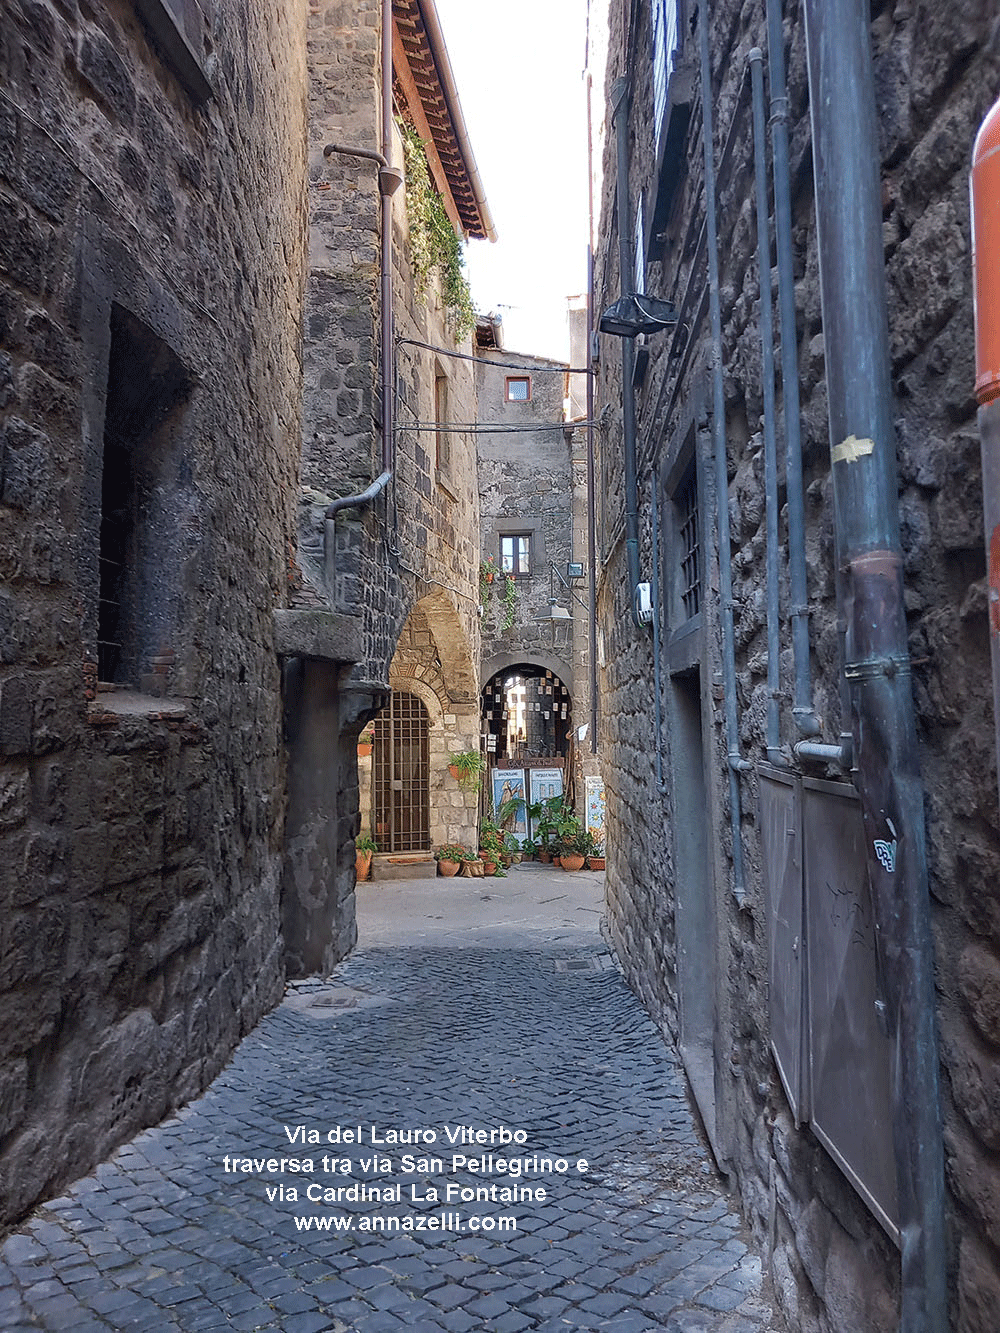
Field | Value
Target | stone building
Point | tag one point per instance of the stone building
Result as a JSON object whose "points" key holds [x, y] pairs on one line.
{"points": [[534, 581], [388, 404], [751, 859], [204, 596], [152, 258]]}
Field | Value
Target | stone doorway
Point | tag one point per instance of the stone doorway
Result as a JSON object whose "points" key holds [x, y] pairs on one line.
{"points": [[401, 775]]}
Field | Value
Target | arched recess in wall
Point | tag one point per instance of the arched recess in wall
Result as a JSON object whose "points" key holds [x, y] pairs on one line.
{"points": [[528, 718], [458, 670]]}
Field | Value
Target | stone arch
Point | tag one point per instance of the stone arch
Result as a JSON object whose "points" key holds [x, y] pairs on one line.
{"points": [[547, 661], [458, 670], [424, 692]]}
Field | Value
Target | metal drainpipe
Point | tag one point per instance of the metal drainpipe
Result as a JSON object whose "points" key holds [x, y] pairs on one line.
{"points": [[736, 764], [985, 190], [591, 498], [866, 515], [802, 708], [619, 95], [774, 754], [661, 786]]}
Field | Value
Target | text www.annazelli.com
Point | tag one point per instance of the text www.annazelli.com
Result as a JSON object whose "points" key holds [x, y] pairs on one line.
{"points": [[407, 1222]]}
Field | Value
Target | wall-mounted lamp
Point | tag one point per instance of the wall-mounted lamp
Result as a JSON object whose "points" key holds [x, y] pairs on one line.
{"points": [[631, 315]]}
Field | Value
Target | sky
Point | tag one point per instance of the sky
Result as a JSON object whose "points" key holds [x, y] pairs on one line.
{"points": [[519, 71]]}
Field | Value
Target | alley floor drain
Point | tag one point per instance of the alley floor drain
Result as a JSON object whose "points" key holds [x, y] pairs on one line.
{"points": [[330, 1001], [597, 962]]}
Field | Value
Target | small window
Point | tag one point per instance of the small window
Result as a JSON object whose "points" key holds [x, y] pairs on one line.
{"points": [[442, 437], [518, 388], [640, 247], [515, 553], [666, 39], [689, 548]]}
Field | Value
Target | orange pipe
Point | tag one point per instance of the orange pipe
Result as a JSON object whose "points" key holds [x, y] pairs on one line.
{"points": [[984, 187]]}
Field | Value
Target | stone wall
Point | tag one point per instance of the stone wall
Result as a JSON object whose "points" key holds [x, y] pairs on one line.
{"points": [[141, 826], [834, 1267], [415, 546]]}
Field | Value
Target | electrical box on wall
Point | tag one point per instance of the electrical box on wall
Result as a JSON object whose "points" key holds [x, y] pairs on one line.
{"points": [[643, 604]]}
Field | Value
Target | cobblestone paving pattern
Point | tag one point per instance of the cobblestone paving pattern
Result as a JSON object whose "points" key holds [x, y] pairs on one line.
{"points": [[544, 1037]]}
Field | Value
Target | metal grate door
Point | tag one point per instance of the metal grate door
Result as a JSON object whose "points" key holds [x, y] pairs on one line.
{"points": [[401, 776]]}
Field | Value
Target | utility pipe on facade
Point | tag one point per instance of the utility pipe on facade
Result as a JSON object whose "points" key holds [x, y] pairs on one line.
{"points": [[802, 705], [767, 386], [985, 189], [591, 493], [736, 764], [619, 98], [877, 664]]}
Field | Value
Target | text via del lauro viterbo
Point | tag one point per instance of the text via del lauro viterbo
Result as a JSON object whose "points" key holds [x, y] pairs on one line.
{"points": [[374, 1178]]}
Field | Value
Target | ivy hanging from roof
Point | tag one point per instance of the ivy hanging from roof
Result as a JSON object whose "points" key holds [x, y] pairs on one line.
{"points": [[434, 244]]}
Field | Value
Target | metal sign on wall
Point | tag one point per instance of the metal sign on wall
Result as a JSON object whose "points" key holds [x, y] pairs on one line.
{"points": [[831, 1052]]}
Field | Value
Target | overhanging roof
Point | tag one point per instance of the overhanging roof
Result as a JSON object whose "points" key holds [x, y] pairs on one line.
{"points": [[421, 44]]}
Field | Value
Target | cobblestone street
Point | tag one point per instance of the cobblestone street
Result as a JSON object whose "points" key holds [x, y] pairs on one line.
{"points": [[467, 1003]]}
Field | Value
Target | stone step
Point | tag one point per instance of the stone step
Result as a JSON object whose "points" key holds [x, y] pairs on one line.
{"points": [[403, 865]]}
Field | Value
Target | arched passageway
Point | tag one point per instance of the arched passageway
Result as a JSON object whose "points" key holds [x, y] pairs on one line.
{"points": [[528, 725], [401, 775]]}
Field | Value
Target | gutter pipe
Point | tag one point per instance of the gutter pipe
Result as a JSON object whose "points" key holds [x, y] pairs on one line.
{"points": [[985, 190], [591, 496], [774, 754], [737, 765], [619, 96], [802, 708], [877, 664]]}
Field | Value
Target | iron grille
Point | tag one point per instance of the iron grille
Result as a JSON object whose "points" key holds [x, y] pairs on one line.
{"points": [[690, 551], [401, 776]]}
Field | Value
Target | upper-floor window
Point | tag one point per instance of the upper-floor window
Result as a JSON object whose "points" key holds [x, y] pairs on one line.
{"points": [[515, 553], [665, 41], [442, 438], [518, 388], [179, 27]]}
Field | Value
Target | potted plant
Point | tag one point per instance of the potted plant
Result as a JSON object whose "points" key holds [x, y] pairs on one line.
{"points": [[487, 573], [366, 740], [491, 847], [449, 858], [365, 847], [472, 866], [466, 767], [595, 857], [528, 849]]}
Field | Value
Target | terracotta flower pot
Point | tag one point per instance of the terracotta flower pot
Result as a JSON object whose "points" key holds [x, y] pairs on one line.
{"points": [[489, 867], [362, 864], [364, 751], [449, 868], [595, 862], [453, 770], [544, 857], [557, 860], [571, 861]]}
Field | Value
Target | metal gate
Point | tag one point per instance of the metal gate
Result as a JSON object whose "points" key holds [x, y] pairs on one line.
{"points": [[400, 776]]}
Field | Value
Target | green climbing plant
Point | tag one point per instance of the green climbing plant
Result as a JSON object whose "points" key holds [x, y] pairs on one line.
{"points": [[434, 244]]}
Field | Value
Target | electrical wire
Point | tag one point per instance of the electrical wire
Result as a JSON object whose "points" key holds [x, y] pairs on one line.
{"points": [[482, 361]]}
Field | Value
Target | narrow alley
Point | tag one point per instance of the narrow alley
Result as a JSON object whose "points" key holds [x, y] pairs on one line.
{"points": [[482, 1003]]}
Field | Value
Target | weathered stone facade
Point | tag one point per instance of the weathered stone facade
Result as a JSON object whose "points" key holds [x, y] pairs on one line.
{"points": [[406, 564], [151, 271], [697, 953], [533, 485]]}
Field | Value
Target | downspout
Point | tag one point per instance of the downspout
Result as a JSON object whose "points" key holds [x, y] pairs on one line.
{"points": [[661, 785], [877, 664], [802, 706], [591, 499], [619, 95], [736, 764], [985, 189], [774, 754]]}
